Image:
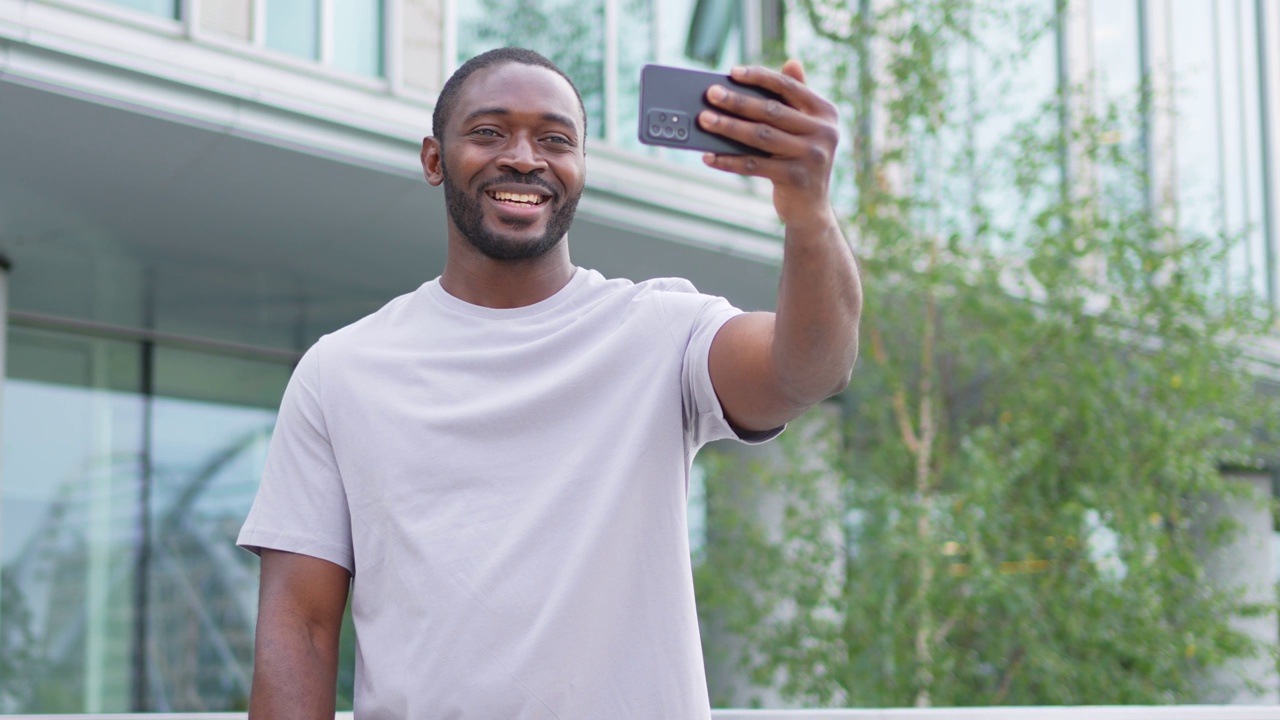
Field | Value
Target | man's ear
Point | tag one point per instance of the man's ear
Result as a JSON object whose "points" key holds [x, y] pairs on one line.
{"points": [[432, 161]]}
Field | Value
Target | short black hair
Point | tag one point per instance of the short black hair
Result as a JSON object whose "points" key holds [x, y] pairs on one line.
{"points": [[453, 86]]}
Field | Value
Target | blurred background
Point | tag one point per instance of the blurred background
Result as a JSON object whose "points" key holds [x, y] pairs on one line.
{"points": [[1051, 481]]}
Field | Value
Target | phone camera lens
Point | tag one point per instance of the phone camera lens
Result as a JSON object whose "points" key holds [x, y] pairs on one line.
{"points": [[655, 130], [668, 132], [681, 133], [662, 117]]}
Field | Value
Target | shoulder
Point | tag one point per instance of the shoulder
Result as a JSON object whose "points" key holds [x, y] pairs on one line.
{"points": [[679, 299], [670, 297], [669, 285], [598, 286]]}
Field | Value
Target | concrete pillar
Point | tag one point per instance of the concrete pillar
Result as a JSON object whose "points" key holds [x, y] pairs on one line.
{"points": [[228, 18], [423, 61], [1245, 564]]}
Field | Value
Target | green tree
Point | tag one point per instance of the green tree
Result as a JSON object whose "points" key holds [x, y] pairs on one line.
{"points": [[1051, 378]]}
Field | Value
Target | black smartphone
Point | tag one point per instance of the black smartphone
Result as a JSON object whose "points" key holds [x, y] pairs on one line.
{"points": [[670, 100]]}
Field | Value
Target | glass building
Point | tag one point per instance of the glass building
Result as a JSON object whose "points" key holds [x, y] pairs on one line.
{"points": [[193, 191]]}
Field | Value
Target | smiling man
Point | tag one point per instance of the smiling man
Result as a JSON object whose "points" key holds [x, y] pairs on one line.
{"points": [[495, 465]]}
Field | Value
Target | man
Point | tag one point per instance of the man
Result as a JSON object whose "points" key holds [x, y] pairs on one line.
{"points": [[496, 464]]}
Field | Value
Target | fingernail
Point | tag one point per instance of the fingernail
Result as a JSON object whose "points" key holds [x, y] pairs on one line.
{"points": [[716, 92], [708, 158], [738, 70], [709, 118]]}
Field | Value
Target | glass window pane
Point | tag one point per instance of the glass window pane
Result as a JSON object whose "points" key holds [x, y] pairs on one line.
{"points": [[635, 48], [675, 21], [1117, 87], [293, 27], [1234, 199], [163, 8], [1116, 66], [77, 592], [568, 32], [1196, 131], [69, 518], [1011, 82], [211, 422], [357, 36]]}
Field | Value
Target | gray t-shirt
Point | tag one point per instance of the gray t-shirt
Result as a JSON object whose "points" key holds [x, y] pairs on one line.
{"points": [[508, 489]]}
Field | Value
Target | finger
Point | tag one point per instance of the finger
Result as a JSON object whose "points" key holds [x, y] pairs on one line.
{"points": [[763, 136], [793, 68], [774, 112], [788, 85], [780, 171]]}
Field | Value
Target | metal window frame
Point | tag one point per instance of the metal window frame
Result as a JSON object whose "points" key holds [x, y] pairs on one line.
{"points": [[612, 15], [390, 63], [1155, 29], [1267, 27]]}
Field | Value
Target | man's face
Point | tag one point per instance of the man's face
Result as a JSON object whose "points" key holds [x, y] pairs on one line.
{"points": [[512, 161]]}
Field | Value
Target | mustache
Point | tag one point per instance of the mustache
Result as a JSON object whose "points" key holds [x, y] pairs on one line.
{"points": [[521, 179]]}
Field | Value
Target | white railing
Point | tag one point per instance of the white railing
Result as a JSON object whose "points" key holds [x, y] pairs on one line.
{"points": [[1083, 712]]}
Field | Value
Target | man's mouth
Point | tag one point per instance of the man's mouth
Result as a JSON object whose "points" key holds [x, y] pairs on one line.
{"points": [[519, 199]]}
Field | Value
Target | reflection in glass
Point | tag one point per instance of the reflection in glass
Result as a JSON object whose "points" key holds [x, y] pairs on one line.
{"points": [[211, 422], [635, 48], [293, 26], [1242, 152], [357, 36], [1117, 87], [69, 515], [1251, 145], [123, 589], [675, 21], [569, 33], [1117, 68], [966, 171], [1196, 129], [572, 34]]}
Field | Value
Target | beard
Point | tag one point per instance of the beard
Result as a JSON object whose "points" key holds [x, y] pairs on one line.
{"points": [[467, 214]]}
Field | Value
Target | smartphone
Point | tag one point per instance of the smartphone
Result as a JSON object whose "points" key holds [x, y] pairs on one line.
{"points": [[670, 100]]}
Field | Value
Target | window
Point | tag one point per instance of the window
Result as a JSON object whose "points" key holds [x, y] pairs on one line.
{"points": [[163, 8], [568, 32], [346, 34], [1218, 133], [602, 44], [128, 470], [1116, 83]]}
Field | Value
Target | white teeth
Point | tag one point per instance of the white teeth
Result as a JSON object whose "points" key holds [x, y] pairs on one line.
{"points": [[517, 197]]}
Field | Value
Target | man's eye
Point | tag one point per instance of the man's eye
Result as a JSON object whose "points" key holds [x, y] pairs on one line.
{"points": [[488, 132], [559, 139]]}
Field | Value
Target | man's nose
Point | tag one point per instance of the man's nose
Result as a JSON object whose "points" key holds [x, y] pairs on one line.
{"points": [[522, 155]]}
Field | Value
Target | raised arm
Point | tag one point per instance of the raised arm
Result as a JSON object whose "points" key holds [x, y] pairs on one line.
{"points": [[768, 368], [295, 667]]}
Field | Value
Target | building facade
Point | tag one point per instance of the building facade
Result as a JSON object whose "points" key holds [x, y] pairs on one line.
{"points": [[193, 191]]}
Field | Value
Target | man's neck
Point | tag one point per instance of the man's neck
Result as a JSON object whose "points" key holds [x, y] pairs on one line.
{"points": [[502, 284]]}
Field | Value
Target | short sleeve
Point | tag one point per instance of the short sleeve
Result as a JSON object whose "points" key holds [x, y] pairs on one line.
{"points": [[301, 505], [702, 316]]}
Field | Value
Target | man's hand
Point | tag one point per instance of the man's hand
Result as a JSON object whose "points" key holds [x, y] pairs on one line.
{"points": [[768, 368], [800, 133], [295, 665]]}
